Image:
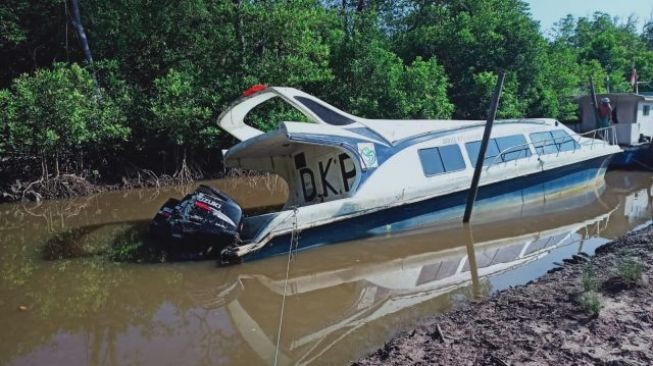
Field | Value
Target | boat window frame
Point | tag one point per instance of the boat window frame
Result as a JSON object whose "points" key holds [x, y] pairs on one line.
{"points": [[492, 143], [557, 142], [421, 154], [646, 109], [523, 146], [543, 144], [501, 153], [565, 139]]}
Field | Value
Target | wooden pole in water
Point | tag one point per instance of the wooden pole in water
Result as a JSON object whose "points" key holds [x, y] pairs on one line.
{"points": [[595, 103], [494, 104]]}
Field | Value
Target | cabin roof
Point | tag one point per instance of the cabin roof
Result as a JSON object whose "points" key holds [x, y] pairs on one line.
{"points": [[330, 121], [616, 97], [396, 131]]}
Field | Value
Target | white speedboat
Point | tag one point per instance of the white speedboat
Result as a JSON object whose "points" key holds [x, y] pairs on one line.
{"points": [[350, 177]]}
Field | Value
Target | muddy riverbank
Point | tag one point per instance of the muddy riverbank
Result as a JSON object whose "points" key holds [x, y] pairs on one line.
{"points": [[595, 311], [588, 311], [66, 186]]}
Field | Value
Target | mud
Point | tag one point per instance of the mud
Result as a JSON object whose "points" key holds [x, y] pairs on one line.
{"points": [[548, 321]]}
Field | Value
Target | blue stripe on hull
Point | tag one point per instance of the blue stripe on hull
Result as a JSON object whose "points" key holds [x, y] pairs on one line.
{"points": [[509, 193]]}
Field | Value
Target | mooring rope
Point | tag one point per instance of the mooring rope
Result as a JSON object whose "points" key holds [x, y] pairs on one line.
{"points": [[294, 243]]}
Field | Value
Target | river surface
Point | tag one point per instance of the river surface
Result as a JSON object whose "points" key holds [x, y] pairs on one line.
{"points": [[340, 302]]}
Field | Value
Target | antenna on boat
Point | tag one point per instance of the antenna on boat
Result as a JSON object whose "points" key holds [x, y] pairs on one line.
{"points": [[492, 114]]}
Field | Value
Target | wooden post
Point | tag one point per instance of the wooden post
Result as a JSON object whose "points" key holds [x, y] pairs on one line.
{"points": [[494, 104], [595, 103]]}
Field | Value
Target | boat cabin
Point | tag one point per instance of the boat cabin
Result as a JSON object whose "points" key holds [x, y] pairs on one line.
{"points": [[631, 116]]}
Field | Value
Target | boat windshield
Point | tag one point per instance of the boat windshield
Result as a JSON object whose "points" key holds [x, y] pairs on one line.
{"points": [[324, 113]]}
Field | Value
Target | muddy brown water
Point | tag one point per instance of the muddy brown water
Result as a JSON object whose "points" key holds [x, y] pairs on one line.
{"points": [[341, 301]]}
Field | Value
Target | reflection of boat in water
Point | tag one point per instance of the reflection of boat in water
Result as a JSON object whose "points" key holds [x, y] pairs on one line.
{"points": [[633, 191], [429, 267]]}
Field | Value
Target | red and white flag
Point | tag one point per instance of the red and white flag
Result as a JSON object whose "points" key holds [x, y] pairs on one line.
{"points": [[633, 77]]}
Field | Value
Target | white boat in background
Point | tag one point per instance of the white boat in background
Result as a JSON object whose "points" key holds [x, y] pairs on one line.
{"points": [[632, 120], [350, 177], [631, 115]]}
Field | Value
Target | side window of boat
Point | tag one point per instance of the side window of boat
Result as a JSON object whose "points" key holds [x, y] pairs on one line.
{"points": [[513, 147], [441, 159], [474, 147], [564, 141]]}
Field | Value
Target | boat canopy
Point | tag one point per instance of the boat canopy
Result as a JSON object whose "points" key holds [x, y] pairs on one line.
{"points": [[317, 111], [333, 121]]}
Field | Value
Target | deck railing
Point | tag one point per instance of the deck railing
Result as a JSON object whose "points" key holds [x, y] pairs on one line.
{"points": [[599, 137]]}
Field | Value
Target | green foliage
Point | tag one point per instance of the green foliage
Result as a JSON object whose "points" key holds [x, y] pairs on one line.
{"points": [[590, 302], [564, 79], [608, 49], [11, 31], [630, 270], [425, 86], [473, 39], [181, 110], [59, 111], [589, 280], [373, 82], [510, 105], [285, 42], [33, 34], [647, 35], [268, 115]]}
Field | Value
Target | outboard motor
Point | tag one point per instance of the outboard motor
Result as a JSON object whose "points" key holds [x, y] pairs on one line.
{"points": [[204, 221]]}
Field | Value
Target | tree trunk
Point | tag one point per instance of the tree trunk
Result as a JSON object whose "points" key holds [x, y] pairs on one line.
{"points": [[240, 37], [76, 20], [56, 162], [65, 10], [44, 167]]}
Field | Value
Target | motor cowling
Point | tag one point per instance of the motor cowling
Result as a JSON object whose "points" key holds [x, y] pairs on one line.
{"points": [[204, 220]]}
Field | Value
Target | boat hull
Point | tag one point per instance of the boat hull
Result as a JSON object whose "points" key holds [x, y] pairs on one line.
{"points": [[633, 157], [535, 187]]}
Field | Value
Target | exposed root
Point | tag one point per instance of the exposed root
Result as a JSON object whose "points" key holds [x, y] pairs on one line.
{"points": [[151, 176], [60, 186], [186, 174]]}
